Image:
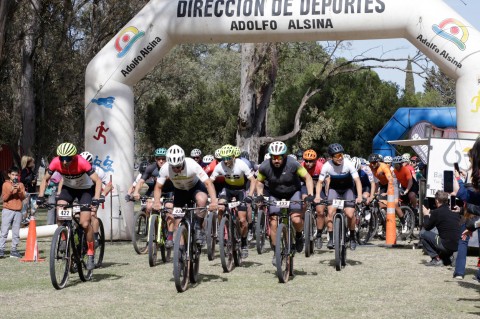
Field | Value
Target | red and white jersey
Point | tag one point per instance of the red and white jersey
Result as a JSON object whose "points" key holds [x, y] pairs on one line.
{"points": [[76, 175], [191, 173]]}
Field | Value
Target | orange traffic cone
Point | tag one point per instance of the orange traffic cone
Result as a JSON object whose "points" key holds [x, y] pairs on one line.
{"points": [[31, 252]]}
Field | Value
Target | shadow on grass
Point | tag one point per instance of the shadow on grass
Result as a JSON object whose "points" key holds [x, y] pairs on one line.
{"points": [[211, 278], [111, 264], [100, 277], [248, 264]]}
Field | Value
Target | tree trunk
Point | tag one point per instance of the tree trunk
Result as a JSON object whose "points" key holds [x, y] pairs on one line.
{"points": [[26, 99], [5, 6]]}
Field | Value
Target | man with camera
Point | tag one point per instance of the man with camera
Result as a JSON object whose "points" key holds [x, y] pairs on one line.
{"points": [[13, 193], [441, 246]]}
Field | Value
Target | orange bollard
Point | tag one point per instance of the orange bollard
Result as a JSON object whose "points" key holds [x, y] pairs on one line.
{"points": [[31, 252], [391, 227]]}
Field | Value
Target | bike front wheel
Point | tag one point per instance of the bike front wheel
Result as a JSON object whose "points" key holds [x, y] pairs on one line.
{"points": [[60, 258], [181, 262], [225, 245], [282, 254], [152, 240], [260, 231], [100, 249], [83, 272], [140, 233], [308, 232], [338, 242], [211, 234]]}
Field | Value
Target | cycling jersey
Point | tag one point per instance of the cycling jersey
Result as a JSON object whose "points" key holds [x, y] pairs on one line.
{"points": [[284, 181], [315, 170], [412, 170], [365, 180], [341, 176], [381, 174], [150, 172], [234, 176], [76, 174], [102, 175], [210, 167], [186, 179], [403, 176]]}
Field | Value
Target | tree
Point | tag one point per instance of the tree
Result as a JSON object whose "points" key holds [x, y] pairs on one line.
{"points": [[439, 88]]}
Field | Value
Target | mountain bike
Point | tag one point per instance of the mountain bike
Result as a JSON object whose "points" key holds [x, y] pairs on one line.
{"points": [[157, 236], [310, 230], [140, 226], [211, 232], [68, 250], [366, 222], [261, 225], [229, 239], [340, 230], [186, 253], [285, 240], [402, 231]]}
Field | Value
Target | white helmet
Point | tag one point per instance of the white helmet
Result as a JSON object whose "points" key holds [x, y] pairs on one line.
{"points": [[266, 157], [217, 154], [356, 162], [207, 159], [88, 156], [387, 159], [347, 156], [175, 155], [406, 157], [397, 160], [195, 153], [277, 148]]}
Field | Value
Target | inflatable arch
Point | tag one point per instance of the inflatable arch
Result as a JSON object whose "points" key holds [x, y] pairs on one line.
{"points": [[430, 25]]}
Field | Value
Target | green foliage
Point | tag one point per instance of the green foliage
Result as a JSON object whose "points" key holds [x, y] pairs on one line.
{"points": [[439, 87]]}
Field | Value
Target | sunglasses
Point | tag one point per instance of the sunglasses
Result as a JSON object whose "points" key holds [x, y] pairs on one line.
{"points": [[309, 161], [277, 157], [196, 157], [66, 158], [338, 156], [177, 167], [160, 158], [229, 158]]}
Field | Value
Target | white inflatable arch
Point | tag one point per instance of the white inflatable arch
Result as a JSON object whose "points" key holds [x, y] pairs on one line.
{"points": [[430, 25]]}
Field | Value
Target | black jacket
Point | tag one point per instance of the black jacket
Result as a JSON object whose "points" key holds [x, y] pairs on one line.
{"points": [[448, 225]]}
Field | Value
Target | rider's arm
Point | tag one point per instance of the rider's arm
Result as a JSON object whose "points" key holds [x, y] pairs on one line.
{"points": [[259, 184], [59, 187], [211, 192], [253, 184], [44, 183], [358, 185], [410, 184], [98, 184], [157, 194]]}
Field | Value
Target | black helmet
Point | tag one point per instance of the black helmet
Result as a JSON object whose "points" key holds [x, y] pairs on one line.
{"points": [[299, 154], [335, 149], [373, 158], [245, 154], [143, 167]]}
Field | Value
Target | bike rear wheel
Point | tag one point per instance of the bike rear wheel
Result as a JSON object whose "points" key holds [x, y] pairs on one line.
{"points": [[83, 272], [225, 245], [260, 231], [60, 259], [195, 264], [409, 222], [365, 226], [282, 254], [211, 234], [236, 241], [308, 232], [140, 233], [338, 242], [100, 249], [152, 240], [165, 253], [180, 259]]}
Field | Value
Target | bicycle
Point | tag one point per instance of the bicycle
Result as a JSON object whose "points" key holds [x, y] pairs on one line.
{"points": [[366, 222], [211, 234], [69, 244], [141, 226], [262, 227], [339, 233], [186, 253], [310, 230], [229, 237], [157, 236], [401, 233]]}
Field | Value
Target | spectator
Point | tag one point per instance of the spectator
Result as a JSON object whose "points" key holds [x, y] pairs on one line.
{"points": [[442, 246], [51, 192], [13, 193], [29, 179]]}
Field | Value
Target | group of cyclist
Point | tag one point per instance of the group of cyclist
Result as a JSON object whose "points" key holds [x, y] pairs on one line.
{"points": [[228, 174]]}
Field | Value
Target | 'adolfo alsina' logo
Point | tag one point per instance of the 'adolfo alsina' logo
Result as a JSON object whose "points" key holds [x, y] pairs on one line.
{"points": [[126, 39], [454, 31]]}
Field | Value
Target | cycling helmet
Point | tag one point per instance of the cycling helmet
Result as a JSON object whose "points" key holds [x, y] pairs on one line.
{"points": [[207, 159], [143, 167], [310, 155], [414, 159], [373, 158], [195, 153], [380, 157], [335, 149], [66, 149], [397, 160], [236, 151], [322, 160], [356, 162], [266, 157], [387, 159], [227, 151], [175, 155], [406, 157], [277, 148], [245, 154], [293, 156], [362, 161], [217, 153], [161, 151], [347, 156], [300, 154], [88, 156]]}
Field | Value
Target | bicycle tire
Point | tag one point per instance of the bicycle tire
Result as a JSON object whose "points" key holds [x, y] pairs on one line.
{"points": [[337, 235], [194, 264], [83, 272], [211, 234], [100, 250], [225, 245], [409, 221], [181, 263], [59, 262], [236, 245], [308, 233], [374, 221], [260, 232], [140, 233], [163, 239], [152, 240], [282, 254], [364, 230]]}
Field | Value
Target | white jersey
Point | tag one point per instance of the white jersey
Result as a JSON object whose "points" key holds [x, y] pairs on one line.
{"points": [[102, 175], [341, 176], [191, 173], [234, 176]]}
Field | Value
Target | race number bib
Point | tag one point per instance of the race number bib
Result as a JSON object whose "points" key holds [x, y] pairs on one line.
{"points": [[338, 203], [178, 212], [64, 213], [283, 203], [233, 204]]}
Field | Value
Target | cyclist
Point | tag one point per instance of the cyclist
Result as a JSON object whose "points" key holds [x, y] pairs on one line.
{"points": [[245, 157], [366, 178], [141, 169], [343, 178], [388, 160], [406, 162], [196, 154], [105, 190], [235, 170], [299, 156], [78, 178], [406, 180], [314, 167], [283, 175], [190, 183]]}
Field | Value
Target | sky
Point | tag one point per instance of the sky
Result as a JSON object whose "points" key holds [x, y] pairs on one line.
{"points": [[469, 9]]}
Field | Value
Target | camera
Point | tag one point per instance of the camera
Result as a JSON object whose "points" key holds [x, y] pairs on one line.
{"points": [[15, 180]]}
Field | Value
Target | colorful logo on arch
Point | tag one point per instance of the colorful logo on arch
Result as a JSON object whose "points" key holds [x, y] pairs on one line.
{"points": [[454, 31], [126, 39]]}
